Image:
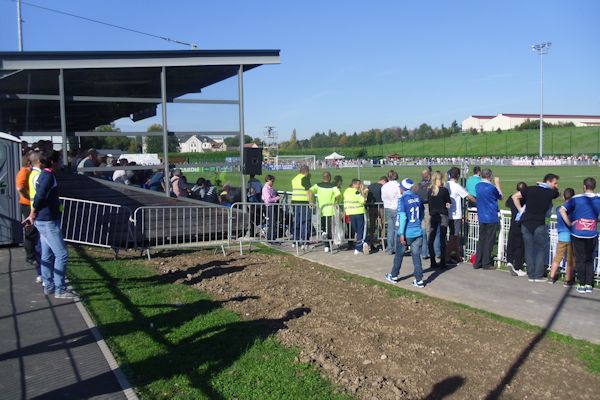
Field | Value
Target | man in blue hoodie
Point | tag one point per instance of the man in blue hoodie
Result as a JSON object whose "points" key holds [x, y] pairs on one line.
{"points": [[409, 218], [45, 214]]}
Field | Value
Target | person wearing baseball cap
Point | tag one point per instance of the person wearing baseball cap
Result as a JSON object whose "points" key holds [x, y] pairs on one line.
{"points": [[408, 222]]}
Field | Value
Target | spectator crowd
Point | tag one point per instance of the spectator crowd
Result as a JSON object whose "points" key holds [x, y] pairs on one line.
{"points": [[426, 218]]}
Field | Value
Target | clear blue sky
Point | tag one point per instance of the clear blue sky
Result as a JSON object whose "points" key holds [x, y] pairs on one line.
{"points": [[353, 65]]}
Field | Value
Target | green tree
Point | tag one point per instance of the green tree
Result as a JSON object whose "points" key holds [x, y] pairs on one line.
{"points": [[234, 141], [293, 141], [154, 144]]}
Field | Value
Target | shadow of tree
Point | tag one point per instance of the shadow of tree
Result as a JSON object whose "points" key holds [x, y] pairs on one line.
{"points": [[199, 356]]}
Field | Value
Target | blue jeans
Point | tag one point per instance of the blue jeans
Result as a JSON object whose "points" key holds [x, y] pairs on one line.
{"points": [[415, 245], [436, 244], [357, 223], [392, 238], [54, 255], [302, 218], [535, 250]]}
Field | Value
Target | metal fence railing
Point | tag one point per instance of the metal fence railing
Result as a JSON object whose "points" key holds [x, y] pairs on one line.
{"points": [[304, 226], [162, 227], [96, 224], [504, 227]]}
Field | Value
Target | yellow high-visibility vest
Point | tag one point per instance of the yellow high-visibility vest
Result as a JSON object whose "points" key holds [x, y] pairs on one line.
{"points": [[299, 192], [326, 196], [33, 177], [354, 202]]}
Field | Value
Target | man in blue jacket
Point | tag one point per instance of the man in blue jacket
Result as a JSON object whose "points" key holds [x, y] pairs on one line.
{"points": [[488, 194], [581, 214], [409, 217], [45, 214]]}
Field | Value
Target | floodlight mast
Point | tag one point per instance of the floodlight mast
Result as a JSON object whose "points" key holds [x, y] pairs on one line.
{"points": [[19, 25], [541, 49]]}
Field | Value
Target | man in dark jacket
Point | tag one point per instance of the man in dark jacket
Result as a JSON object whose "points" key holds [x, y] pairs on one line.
{"points": [[375, 210], [45, 214], [515, 249]]}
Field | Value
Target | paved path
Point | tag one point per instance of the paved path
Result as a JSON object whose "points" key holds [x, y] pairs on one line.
{"points": [[561, 309], [47, 350]]}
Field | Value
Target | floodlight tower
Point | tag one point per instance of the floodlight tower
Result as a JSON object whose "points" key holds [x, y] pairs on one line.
{"points": [[19, 26], [541, 49], [271, 147]]}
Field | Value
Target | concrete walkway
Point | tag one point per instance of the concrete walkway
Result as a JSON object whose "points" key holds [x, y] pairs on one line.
{"points": [[47, 350], [551, 306]]}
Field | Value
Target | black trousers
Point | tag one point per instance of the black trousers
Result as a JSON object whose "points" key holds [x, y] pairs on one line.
{"points": [[272, 212], [485, 244], [584, 259], [376, 221], [30, 235], [326, 228], [515, 248], [436, 221]]}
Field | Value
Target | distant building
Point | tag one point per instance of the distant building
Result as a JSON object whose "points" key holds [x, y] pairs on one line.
{"points": [[475, 122], [200, 144], [510, 121]]}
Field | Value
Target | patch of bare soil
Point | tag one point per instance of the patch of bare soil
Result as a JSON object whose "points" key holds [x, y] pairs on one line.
{"points": [[380, 346]]}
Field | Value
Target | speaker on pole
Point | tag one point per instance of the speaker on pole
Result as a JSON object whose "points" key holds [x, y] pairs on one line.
{"points": [[253, 160]]}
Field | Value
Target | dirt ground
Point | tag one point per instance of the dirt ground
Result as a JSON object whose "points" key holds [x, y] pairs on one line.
{"points": [[378, 345]]}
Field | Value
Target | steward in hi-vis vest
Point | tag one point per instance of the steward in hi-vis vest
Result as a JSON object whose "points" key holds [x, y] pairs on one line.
{"points": [[328, 195], [302, 204], [354, 207]]}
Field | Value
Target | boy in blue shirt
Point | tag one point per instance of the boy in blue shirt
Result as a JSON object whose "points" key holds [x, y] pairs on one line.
{"points": [[408, 220], [564, 246], [581, 214]]}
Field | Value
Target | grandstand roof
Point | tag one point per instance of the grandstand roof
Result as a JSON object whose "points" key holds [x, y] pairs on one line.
{"points": [[483, 116], [103, 86]]}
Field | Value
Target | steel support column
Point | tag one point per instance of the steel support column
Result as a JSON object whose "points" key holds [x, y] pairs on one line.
{"points": [[63, 117], [163, 95], [242, 133]]}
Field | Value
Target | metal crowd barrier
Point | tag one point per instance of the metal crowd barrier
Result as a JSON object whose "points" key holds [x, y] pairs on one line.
{"points": [[164, 227], [96, 224], [472, 227], [302, 226]]}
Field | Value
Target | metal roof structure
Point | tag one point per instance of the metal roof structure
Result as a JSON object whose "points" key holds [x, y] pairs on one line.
{"points": [[70, 93]]}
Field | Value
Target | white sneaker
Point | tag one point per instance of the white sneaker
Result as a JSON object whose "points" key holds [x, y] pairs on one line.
{"points": [[365, 248], [326, 249], [520, 272], [357, 252], [39, 279]]}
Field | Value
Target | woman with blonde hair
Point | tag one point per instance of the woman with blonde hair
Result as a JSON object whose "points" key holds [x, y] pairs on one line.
{"points": [[439, 202]]}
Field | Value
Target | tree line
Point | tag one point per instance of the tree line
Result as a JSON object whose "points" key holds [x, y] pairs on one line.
{"points": [[370, 137]]}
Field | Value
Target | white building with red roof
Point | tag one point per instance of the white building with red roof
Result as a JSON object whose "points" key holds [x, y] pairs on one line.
{"points": [[475, 122], [506, 122]]}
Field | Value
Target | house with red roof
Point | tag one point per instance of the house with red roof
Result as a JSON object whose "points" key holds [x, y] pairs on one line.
{"points": [[507, 121]]}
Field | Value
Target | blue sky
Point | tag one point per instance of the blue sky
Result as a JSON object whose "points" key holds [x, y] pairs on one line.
{"points": [[352, 65]]}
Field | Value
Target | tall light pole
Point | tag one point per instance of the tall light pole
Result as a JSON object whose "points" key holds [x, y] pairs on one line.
{"points": [[19, 25], [541, 49]]}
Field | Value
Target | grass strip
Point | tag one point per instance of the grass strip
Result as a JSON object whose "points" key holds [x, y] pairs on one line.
{"points": [[176, 342]]}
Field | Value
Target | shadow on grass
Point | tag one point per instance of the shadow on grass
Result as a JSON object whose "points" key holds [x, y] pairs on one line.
{"points": [[199, 356]]}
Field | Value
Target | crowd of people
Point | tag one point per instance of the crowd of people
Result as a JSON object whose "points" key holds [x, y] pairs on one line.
{"points": [[428, 217], [425, 217]]}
